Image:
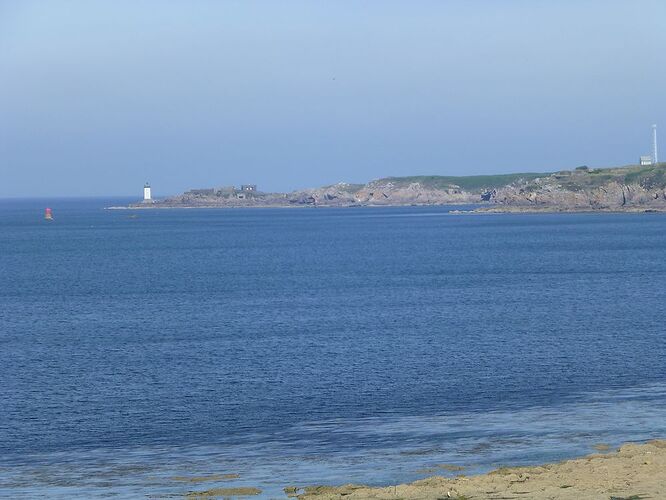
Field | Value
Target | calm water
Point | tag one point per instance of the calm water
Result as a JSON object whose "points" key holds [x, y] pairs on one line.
{"points": [[301, 346]]}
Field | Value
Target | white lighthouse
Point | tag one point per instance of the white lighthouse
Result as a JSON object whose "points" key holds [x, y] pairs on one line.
{"points": [[147, 198]]}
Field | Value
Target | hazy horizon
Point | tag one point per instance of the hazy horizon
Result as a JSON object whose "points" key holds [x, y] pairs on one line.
{"points": [[98, 98]]}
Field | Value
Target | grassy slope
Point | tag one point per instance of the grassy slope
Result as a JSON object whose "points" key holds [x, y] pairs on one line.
{"points": [[650, 177], [468, 183]]}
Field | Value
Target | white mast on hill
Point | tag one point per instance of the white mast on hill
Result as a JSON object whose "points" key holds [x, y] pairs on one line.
{"points": [[655, 159]]}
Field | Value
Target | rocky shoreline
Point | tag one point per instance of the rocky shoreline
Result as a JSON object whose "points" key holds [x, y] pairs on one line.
{"points": [[518, 209], [633, 472]]}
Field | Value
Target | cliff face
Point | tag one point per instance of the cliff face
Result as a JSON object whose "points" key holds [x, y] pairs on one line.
{"points": [[381, 192], [385, 192], [604, 189]]}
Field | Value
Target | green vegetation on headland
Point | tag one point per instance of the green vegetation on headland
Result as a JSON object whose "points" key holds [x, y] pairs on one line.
{"points": [[629, 188], [467, 182], [650, 176]]}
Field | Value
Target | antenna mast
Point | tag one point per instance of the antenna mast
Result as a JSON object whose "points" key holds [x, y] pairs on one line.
{"points": [[655, 159]]}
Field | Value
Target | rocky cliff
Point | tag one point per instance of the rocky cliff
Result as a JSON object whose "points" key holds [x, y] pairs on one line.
{"points": [[422, 190], [622, 188], [625, 188]]}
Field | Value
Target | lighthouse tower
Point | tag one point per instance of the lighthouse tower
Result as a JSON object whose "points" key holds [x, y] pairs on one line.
{"points": [[147, 198]]}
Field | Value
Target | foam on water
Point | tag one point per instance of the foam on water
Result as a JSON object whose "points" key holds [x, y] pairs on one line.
{"points": [[371, 450]]}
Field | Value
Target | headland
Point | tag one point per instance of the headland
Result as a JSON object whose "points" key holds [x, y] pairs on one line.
{"points": [[632, 188]]}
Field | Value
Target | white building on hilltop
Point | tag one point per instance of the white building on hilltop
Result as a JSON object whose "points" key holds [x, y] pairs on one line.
{"points": [[146, 193]]}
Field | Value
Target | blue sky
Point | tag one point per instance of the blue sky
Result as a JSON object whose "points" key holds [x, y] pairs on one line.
{"points": [[98, 97]]}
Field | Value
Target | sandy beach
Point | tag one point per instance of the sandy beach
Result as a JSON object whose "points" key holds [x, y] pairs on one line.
{"points": [[633, 472]]}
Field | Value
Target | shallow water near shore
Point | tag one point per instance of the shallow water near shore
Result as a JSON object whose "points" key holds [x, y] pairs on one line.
{"points": [[314, 346]]}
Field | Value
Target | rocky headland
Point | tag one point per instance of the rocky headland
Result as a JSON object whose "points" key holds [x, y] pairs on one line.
{"points": [[630, 188]]}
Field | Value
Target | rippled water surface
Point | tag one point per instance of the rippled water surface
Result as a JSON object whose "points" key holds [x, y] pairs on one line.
{"points": [[303, 346]]}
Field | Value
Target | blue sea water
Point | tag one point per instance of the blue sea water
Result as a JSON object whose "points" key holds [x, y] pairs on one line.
{"points": [[310, 346]]}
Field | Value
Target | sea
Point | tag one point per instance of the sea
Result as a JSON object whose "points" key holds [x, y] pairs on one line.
{"points": [[152, 353]]}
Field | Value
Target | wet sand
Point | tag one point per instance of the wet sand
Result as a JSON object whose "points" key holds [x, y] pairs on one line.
{"points": [[633, 472]]}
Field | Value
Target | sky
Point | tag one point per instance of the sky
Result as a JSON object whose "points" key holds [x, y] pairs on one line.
{"points": [[98, 97]]}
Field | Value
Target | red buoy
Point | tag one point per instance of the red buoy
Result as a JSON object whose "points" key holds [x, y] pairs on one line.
{"points": [[48, 215]]}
